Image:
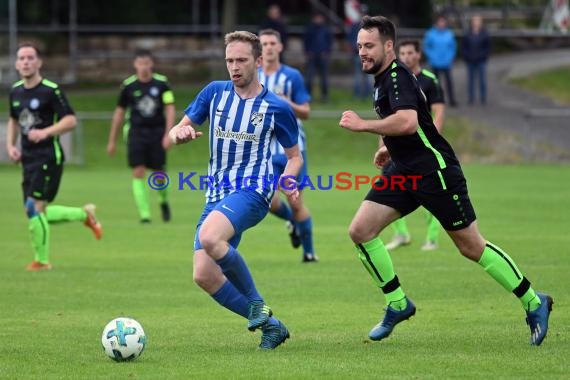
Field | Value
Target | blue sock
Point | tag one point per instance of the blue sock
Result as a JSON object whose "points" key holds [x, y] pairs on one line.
{"points": [[305, 229], [229, 297], [236, 271], [284, 211]]}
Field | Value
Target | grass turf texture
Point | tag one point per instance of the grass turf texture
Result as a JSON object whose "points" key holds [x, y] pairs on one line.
{"points": [[466, 325]]}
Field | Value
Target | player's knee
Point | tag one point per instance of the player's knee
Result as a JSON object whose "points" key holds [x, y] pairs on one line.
{"points": [[208, 277], [30, 206], [207, 240], [471, 249], [359, 234]]}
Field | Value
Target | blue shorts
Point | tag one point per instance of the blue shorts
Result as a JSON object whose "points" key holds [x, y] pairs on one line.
{"points": [[280, 161], [244, 209]]}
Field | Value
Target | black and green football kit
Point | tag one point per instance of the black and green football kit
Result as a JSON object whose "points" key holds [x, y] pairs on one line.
{"points": [[442, 190], [38, 108], [145, 103], [434, 95]]}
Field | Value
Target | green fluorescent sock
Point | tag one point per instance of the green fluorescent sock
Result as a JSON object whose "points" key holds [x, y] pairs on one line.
{"points": [[163, 195], [400, 227], [504, 270], [434, 227], [140, 192], [378, 263], [55, 214], [39, 233]]}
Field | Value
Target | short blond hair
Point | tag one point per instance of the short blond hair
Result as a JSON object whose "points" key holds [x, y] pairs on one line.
{"points": [[244, 36]]}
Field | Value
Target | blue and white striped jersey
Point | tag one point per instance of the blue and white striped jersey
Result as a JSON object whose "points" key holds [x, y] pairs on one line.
{"points": [[288, 82], [239, 137]]}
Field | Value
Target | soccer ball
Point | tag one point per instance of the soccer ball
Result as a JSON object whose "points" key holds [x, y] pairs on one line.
{"points": [[123, 339]]}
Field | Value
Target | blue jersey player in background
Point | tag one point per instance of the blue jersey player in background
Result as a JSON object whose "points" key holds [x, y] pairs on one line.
{"points": [[288, 83], [244, 118]]}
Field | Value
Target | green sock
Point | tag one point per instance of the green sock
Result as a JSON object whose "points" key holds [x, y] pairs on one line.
{"points": [[504, 270], [39, 231], [378, 263], [400, 227], [433, 227], [163, 195], [140, 192], [55, 214]]}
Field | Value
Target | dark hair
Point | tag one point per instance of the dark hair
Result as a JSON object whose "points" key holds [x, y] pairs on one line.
{"points": [[414, 43], [243, 36], [30, 45], [142, 53], [270, 32], [384, 26]]}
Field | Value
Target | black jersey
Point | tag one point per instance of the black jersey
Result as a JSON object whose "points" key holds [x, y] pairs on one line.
{"points": [[431, 87], [38, 108], [424, 151], [146, 101]]}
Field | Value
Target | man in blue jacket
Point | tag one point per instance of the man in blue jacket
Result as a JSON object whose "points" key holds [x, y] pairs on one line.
{"points": [[440, 49]]}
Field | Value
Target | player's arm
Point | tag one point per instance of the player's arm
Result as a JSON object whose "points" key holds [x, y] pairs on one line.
{"points": [[184, 131], [401, 123], [170, 115], [116, 122], [11, 138], [64, 125], [288, 182], [438, 114], [302, 111]]}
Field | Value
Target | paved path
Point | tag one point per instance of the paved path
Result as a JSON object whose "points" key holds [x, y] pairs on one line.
{"points": [[541, 124]]}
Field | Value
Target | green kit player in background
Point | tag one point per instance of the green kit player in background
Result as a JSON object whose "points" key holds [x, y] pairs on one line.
{"points": [[409, 53], [412, 142], [150, 104], [40, 113]]}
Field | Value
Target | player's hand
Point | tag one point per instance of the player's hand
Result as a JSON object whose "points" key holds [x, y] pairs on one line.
{"points": [[111, 149], [14, 154], [351, 121], [37, 135], [288, 186], [183, 133], [166, 142], [381, 157]]}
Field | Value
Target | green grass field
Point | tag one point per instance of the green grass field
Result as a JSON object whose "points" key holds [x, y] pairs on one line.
{"points": [[466, 325]]}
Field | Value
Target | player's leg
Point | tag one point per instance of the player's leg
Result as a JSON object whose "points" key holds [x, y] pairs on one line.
{"points": [[278, 207], [379, 209], [140, 193], [400, 226], [304, 226], [433, 229], [39, 234], [208, 275], [36, 195], [137, 158], [233, 215], [401, 234], [302, 218], [158, 163], [454, 210]]}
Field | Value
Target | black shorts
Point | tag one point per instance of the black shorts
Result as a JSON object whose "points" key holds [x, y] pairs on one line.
{"points": [[443, 193], [145, 147], [42, 179]]}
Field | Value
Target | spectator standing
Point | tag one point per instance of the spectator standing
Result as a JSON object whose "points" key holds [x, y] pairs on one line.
{"points": [[440, 48], [476, 48], [318, 46]]}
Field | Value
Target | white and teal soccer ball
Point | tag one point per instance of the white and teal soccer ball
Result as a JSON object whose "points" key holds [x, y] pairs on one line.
{"points": [[123, 339]]}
